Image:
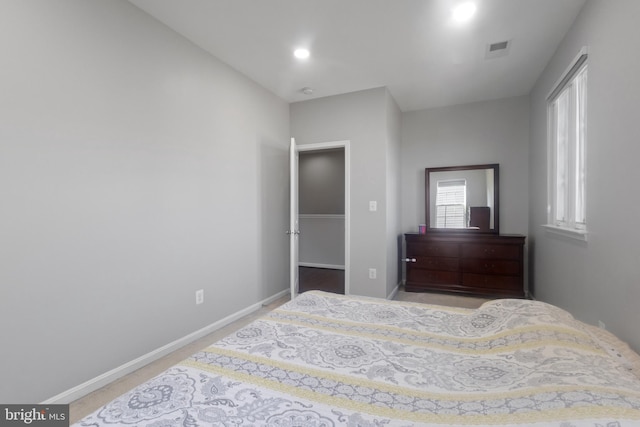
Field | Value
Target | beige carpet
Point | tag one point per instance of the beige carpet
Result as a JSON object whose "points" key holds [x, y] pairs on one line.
{"points": [[450, 300], [88, 404]]}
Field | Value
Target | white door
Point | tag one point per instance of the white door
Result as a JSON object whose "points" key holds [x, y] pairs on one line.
{"points": [[294, 231]]}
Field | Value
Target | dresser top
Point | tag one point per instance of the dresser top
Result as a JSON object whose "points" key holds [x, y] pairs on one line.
{"points": [[466, 237]]}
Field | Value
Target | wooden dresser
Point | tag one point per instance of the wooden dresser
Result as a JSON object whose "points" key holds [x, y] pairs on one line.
{"points": [[479, 264]]}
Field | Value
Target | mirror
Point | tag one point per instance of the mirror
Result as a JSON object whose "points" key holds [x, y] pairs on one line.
{"points": [[462, 199]]}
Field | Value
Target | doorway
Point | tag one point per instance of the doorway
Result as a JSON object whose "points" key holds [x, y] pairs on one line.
{"points": [[321, 279], [323, 186]]}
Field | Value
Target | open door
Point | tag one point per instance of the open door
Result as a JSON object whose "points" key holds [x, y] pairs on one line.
{"points": [[294, 231]]}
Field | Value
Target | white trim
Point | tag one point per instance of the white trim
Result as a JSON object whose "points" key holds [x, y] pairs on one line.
{"points": [[318, 265], [394, 292], [347, 220], [321, 216], [323, 145], [567, 232], [108, 377], [294, 230], [583, 51], [346, 144]]}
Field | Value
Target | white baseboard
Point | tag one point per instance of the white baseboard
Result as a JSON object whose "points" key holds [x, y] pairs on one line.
{"points": [[393, 292], [108, 377], [321, 216], [316, 265]]}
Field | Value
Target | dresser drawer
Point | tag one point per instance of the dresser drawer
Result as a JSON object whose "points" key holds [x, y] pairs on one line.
{"points": [[419, 275], [433, 249], [491, 266], [437, 263], [485, 281], [493, 251], [475, 264]]}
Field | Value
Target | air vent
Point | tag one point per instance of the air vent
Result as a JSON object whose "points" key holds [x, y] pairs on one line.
{"points": [[497, 49], [498, 46]]}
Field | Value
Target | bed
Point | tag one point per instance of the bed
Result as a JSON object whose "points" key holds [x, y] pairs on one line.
{"points": [[332, 360]]}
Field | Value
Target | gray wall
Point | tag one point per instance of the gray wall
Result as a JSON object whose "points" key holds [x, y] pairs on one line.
{"points": [[134, 170], [322, 241], [478, 133], [360, 117], [597, 280], [321, 182]]}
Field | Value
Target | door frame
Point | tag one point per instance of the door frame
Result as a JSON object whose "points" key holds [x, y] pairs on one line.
{"points": [[346, 145], [293, 231]]}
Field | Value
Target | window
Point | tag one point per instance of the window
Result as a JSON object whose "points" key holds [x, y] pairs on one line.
{"points": [[566, 106], [451, 202]]}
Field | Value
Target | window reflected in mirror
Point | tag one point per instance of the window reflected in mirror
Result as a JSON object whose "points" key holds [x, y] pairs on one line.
{"points": [[462, 198], [451, 203]]}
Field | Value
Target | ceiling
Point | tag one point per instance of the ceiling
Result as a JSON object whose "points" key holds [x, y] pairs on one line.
{"points": [[412, 47]]}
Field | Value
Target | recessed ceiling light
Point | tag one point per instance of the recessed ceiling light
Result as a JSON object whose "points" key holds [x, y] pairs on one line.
{"points": [[464, 11], [307, 90], [301, 53]]}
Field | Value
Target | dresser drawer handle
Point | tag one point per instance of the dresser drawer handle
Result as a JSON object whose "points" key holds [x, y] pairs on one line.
{"points": [[409, 260]]}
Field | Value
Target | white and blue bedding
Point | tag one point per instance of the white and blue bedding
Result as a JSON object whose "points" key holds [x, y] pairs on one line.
{"points": [[330, 360]]}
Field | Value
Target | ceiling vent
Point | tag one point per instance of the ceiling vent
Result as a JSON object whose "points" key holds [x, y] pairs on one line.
{"points": [[497, 49]]}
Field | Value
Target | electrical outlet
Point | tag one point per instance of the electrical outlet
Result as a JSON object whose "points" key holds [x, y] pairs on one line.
{"points": [[373, 206], [372, 273], [199, 296]]}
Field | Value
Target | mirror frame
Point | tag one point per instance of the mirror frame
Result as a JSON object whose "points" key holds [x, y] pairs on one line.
{"points": [[496, 199]]}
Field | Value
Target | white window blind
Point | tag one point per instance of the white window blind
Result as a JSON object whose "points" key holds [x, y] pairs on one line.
{"points": [[580, 153], [567, 106], [451, 201], [562, 155]]}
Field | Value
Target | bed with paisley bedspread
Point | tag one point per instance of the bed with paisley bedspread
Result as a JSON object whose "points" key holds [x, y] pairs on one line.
{"points": [[331, 360]]}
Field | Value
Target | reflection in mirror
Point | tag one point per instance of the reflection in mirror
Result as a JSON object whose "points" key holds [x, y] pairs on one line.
{"points": [[462, 198]]}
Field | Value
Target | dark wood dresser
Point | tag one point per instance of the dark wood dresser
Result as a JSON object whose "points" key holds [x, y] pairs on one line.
{"points": [[478, 264]]}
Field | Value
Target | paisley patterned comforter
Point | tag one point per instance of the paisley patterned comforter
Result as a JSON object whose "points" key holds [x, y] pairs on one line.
{"points": [[330, 360]]}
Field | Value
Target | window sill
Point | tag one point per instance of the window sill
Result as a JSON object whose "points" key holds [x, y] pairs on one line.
{"points": [[571, 233]]}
